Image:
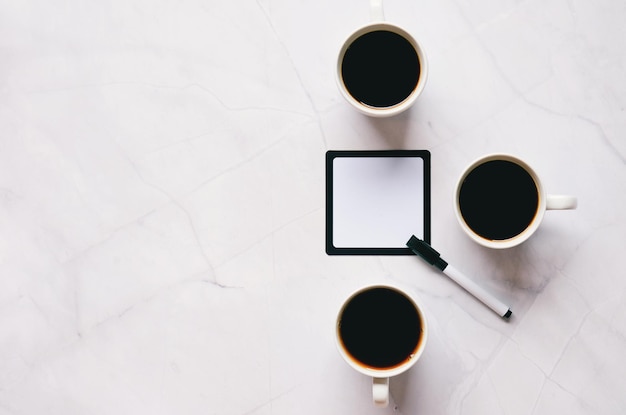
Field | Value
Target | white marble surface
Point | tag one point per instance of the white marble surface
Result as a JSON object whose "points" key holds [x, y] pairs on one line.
{"points": [[162, 207]]}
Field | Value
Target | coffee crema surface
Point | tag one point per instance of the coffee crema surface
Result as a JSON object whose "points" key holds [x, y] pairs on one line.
{"points": [[380, 69], [380, 328], [498, 199]]}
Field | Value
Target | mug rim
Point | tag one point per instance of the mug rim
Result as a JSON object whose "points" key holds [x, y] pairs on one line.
{"points": [[405, 103], [391, 371], [529, 230]]}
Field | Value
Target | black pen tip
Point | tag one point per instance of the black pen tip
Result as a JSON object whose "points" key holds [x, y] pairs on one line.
{"points": [[508, 314]]}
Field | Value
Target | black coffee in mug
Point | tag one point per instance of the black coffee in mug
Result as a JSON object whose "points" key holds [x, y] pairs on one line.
{"points": [[380, 69], [498, 199], [380, 328]]}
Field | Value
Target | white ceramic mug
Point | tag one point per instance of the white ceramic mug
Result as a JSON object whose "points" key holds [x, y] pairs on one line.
{"points": [[500, 201], [381, 332], [389, 79]]}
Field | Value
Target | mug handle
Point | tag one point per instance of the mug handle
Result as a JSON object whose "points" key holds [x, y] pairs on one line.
{"points": [[380, 391], [561, 202], [376, 11]]}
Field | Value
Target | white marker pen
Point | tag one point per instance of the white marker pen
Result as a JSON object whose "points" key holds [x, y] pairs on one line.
{"points": [[422, 249]]}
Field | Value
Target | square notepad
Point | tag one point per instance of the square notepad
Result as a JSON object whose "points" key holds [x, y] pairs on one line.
{"points": [[375, 201]]}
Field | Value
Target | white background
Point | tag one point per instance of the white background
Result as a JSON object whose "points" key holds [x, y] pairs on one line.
{"points": [[378, 202], [162, 207]]}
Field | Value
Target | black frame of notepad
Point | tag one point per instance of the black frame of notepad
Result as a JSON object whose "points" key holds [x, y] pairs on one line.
{"points": [[330, 156]]}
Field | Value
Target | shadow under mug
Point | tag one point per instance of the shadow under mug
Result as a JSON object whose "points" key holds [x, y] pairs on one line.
{"points": [[381, 332], [381, 69], [500, 201]]}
